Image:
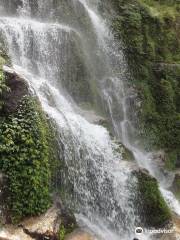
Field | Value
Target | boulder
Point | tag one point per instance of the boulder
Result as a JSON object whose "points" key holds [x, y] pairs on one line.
{"points": [[44, 227]]}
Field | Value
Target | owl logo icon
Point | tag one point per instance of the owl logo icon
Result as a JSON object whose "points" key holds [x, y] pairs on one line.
{"points": [[139, 230]]}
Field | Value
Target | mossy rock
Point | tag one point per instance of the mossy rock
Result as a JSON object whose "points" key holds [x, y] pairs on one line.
{"points": [[150, 35], [126, 153], [25, 151], [153, 208]]}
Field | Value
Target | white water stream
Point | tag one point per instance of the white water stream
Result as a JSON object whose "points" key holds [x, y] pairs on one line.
{"points": [[42, 50]]}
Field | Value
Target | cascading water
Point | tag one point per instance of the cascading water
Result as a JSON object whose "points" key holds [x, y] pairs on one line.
{"points": [[71, 68], [116, 95]]}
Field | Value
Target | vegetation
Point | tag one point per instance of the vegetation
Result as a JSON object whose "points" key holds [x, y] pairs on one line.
{"points": [[25, 160], [152, 205], [151, 35], [68, 224], [63, 231]]}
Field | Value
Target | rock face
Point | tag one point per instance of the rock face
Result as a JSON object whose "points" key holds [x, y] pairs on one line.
{"points": [[43, 227], [18, 88]]}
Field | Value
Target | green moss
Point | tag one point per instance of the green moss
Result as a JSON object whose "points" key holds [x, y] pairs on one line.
{"points": [[127, 154], [63, 231], [153, 205], [171, 160], [150, 32], [24, 159], [162, 7]]}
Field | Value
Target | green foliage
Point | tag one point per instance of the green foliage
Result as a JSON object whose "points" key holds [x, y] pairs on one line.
{"points": [[150, 32], [63, 231], [24, 159], [153, 204], [171, 160]]}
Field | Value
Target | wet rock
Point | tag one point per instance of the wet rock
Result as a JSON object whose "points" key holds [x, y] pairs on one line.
{"points": [[18, 88], [142, 172], [103, 122], [67, 219], [126, 153], [92, 117], [159, 158], [176, 184]]}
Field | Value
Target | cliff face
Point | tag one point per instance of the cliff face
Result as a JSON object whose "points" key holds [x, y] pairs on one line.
{"points": [[150, 31]]}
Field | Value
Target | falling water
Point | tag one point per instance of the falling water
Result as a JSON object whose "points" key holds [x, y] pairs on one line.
{"points": [[117, 97], [68, 56]]}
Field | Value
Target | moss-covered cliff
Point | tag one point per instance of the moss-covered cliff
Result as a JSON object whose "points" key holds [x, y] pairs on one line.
{"points": [[25, 149], [150, 31], [153, 209]]}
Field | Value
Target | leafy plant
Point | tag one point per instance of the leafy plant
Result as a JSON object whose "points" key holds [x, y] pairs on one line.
{"points": [[24, 159]]}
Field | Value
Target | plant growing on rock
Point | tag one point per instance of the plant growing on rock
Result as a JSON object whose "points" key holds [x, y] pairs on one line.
{"points": [[154, 210], [24, 159], [150, 33]]}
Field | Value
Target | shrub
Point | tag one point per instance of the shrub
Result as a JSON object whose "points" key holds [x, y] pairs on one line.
{"points": [[24, 159]]}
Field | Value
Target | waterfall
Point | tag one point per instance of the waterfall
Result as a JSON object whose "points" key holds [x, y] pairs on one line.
{"points": [[70, 60]]}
